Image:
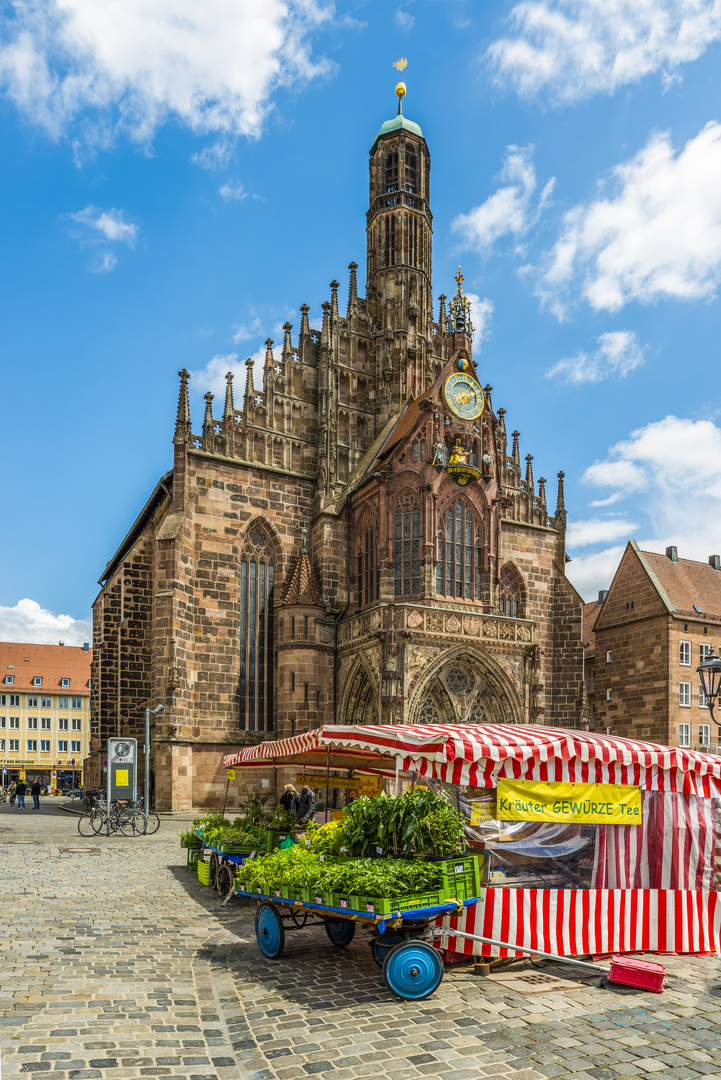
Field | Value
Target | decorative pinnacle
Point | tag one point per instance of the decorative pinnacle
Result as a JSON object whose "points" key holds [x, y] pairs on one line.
{"points": [[560, 500], [304, 327], [208, 418], [269, 361], [228, 410], [516, 453], [249, 388], [542, 491], [352, 286], [287, 343], [334, 286], [529, 473], [182, 422]]}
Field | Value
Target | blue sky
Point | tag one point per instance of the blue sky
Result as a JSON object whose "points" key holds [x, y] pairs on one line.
{"points": [[176, 180]]}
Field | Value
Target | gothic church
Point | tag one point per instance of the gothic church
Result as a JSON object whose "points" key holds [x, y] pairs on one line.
{"points": [[353, 542]]}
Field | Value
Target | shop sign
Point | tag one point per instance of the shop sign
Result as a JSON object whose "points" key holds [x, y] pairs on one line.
{"points": [[358, 785], [590, 804], [230, 774]]}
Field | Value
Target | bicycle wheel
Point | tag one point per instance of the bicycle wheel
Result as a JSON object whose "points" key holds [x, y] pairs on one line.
{"points": [[85, 827], [133, 823], [153, 821], [97, 820]]}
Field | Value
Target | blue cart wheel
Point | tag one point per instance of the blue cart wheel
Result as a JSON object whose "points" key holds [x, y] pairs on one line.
{"points": [[340, 931], [269, 931], [413, 970], [380, 949]]}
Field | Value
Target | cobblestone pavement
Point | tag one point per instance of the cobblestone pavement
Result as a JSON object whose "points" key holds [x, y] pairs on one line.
{"points": [[118, 963]]}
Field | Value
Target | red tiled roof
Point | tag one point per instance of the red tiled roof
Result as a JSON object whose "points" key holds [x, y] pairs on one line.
{"points": [[687, 583], [590, 614], [51, 662]]}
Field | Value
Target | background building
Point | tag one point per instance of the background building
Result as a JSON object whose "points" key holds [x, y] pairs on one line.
{"points": [[44, 712], [312, 557], [659, 620]]}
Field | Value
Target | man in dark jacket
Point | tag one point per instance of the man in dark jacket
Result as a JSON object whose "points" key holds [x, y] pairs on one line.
{"points": [[306, 807], [20, 792], [35, 792]]}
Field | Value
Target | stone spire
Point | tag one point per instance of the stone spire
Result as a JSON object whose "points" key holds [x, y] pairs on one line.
{"points": [[208, 418], [487, 393], [352, 287], [249, 388], [269, 361], [182, 422], [304, 327], [515, 453], [502, 421], [304, 338], [529, 474], [301, 588], [325, 328], [442, 314], [334, 286], [228, 409], [542, 496], [560, 500], [287, 343]]}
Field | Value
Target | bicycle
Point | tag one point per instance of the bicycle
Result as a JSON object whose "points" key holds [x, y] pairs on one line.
{"points": [[153, 819], [119, 818]]}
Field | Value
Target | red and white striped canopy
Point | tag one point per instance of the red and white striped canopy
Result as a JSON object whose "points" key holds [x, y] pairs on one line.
{"points": [[480, 754]]}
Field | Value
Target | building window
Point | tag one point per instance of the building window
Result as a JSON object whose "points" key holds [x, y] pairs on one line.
{"points": [[411, 169], [46, 723], [62, 746], [14, 722], [390, 240], [367, 567], [292, 682], [37, 680], [392, 171], [2, 746], [458, 570], [305, 627], [407, 550], [62, 703], [3, 721], [684, 734], [62, 723], [77, 723], [15, 701], [3, 699], [702, 699], [608, 694], [77, 702], [65, 683], [704, 734], [305, 693], [32, 745], [256, 634], [32, 701], [14, 746], [75, 746], [45, 746], [33, 723], [684, 694], [609, 656], [9, 680], [46, 703], [511, 592], [684, 653]]}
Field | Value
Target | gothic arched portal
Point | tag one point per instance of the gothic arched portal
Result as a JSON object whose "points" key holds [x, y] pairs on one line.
{"points": [[360, 705], [464, 688]]}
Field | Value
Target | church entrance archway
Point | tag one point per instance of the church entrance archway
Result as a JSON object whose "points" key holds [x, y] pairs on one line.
{"points": [[464, 688], [360, 706]]}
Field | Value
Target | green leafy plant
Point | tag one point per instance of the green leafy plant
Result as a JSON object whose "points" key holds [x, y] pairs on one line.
{"points": [[419, 822]]}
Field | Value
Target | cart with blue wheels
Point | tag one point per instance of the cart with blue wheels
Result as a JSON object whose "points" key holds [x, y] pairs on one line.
{"points": [[222, 869], [400, 941]]}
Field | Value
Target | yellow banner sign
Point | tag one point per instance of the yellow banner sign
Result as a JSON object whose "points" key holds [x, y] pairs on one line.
{"points": [[358, 785], [230, 774], [122, 777], [590, 804]]}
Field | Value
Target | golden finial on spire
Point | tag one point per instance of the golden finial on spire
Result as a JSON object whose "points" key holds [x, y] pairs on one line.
{"points": [[401, 86], [459, 277]]}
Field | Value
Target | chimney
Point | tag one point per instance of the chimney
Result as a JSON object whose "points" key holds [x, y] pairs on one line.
{"points": [[672, 554], [61, 643], [86, 646], [602, 594], [715, 561]]}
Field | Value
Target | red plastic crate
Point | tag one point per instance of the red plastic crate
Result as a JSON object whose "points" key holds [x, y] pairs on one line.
{"points": [[643, 974]]}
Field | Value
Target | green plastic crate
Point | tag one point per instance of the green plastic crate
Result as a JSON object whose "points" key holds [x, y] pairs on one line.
{"points": [[193, 854], [461, 877], [381, 905], [273, 839]]}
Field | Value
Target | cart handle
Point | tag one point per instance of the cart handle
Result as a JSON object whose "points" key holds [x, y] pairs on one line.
{"points": [[596, 968]]}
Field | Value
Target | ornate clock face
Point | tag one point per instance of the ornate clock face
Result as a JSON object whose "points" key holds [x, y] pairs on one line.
{"points": [[464, 396]]}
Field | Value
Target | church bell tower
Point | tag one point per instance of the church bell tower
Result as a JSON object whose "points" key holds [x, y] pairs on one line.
{"points": [[399, 249]]}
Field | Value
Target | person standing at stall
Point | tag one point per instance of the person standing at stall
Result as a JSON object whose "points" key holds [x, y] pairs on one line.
{"points": [[290, 799], [306, 806]]}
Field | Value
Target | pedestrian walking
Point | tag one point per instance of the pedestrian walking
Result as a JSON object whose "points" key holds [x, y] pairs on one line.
{"points": [[289, 799], [306, 806], [13, 796], [35, 792], [20, 789]]}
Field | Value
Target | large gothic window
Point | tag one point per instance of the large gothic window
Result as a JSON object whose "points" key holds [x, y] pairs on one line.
{"points": [[390, 240], [511, 598], [367, 561], [411, 170], [256, 633], [460, 554], [407, 551], [392, 171]]}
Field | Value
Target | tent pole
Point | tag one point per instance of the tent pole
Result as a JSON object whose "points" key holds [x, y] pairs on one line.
{"points": [[327, 779], [398, 761]]}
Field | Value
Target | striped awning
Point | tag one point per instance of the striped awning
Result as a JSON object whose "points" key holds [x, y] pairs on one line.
{"points": [[479, 754]]}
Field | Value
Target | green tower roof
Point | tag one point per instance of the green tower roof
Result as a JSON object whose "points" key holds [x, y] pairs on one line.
{"points": [[399, 123]]}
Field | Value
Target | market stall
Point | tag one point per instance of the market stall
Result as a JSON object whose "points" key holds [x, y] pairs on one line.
{"points": [[588, 843]]}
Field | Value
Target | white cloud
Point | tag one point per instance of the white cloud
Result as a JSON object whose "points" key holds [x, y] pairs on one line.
{"points": [[213, 66], [30, 623], [598, 531], [98, 230], [481, 316], [618, 353], [404, 20], [245, 331], [672, 470], [232, 192], [590, 573], [574, 48], [509, 210], [212, 377], [657, 236]]}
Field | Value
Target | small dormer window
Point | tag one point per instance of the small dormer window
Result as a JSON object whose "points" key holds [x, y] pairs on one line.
{"points": [[65, 682], [9, 680], [37, 680]]}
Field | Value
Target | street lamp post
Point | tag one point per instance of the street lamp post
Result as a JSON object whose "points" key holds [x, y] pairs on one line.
{"points": [[146, 785], [709, 671]]}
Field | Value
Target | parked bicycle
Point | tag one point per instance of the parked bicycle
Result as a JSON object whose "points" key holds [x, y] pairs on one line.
{"points": [[119, 817]]}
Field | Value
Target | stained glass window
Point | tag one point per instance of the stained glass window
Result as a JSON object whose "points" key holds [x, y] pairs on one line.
{"points": [[511, 593], [460, 554], [407, 550], [256, 635]]}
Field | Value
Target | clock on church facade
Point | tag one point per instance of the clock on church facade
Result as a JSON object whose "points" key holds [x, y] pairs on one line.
{"points": [[309, 559]]}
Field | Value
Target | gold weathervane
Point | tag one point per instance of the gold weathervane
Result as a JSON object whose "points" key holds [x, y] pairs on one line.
{"points": [[401, 86]]}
